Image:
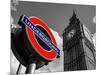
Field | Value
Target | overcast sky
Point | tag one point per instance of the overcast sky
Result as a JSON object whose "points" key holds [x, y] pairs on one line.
{"points": [[56, 15]]}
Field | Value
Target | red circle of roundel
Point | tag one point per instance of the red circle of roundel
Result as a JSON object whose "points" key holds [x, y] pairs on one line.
{"points": [[48, 55]]}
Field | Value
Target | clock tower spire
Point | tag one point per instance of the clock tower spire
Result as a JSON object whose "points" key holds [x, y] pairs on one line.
{"points": [[79, 52]]}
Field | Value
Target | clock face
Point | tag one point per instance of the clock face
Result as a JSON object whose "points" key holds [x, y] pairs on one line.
{"points": [[71, 34]]}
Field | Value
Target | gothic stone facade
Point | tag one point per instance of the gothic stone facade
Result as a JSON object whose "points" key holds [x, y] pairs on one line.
{"points": [[79, 52]]}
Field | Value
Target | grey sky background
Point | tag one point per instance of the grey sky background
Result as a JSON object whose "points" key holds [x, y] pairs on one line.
{"points": [[56, 15]]}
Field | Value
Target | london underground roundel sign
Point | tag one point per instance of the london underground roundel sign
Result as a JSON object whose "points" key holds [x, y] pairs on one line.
{"points": [[36, 28]]}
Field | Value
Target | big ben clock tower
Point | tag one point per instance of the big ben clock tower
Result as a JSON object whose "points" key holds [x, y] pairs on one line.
{"points": [[79, 52]]}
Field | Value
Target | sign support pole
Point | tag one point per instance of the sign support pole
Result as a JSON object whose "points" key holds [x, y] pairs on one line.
{"points": [[31, 69], [19, 69]]}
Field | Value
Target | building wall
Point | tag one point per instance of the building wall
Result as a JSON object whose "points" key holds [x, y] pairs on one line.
{"points": [[79, 52]]}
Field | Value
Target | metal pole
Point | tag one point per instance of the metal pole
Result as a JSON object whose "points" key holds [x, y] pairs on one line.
{"points": [[19, 69], [31, 69]]}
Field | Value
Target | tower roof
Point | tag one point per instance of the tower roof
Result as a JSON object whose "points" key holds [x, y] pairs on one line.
{"points": [[74, 16]]}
